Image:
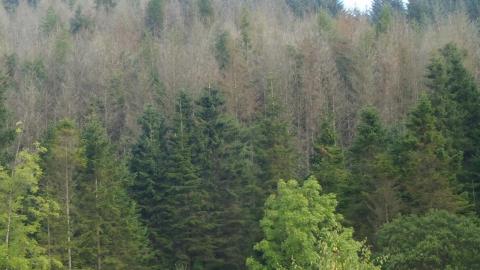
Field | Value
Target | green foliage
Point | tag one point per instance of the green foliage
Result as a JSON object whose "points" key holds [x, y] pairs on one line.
{"points": [[7, 134], [384, 20], [222, 50], [51, 22], [369, 145], [62, 163], [10, 5], [149, 188], [224, 164], [301, 7], [107, 5], [245, 31], [328, 160], [80, 22], [275, 153], [430, 166], [302, 231], [22, 209], [456, 104], [437, 240], [205, 9], [154, 17], [107, 232]]}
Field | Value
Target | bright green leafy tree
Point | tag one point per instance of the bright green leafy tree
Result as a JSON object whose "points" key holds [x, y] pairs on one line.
{"points": [[303, 231]]}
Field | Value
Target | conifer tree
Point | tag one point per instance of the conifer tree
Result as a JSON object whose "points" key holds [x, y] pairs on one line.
{"points": [[370, 141], [191, 228], [223, 50], [205, 9], [63, 163], [430, 166], [456, 104], [108, 232], [7, 134], [154, 17], [225, 166], [275, 154], [150, 188], [328, 161]]}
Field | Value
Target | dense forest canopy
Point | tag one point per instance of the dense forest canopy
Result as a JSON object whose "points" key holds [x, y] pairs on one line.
{"points": [[239, 134]]}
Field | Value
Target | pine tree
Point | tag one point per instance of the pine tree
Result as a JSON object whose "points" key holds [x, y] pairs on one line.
{"points": [[107, 5], [22, 209], [302, 231], [63, 163], [430, 166], [108, 232]]}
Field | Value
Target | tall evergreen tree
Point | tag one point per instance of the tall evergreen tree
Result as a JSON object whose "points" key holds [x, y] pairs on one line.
{"points": [[456, 104], [150, 188], [192, 227], [371, 197], [108, 232], [63, 163], [225, 166], [275, 153], [430, 166]]}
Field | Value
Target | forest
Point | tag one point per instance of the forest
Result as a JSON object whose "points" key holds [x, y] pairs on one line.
{"points": [[239, 134]]}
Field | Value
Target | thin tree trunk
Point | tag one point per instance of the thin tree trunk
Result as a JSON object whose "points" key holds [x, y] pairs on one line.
{"points": [[10, 201], [67, 205], [97, 225]]}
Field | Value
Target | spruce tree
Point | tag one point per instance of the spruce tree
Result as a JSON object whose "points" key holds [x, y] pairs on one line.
{"points": [[63, 163], [108, 232], [275, 154], [328, 161], [191, 228], [150, 188], [224, 164], [456, 104], [370, 140], [430, 166]]}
